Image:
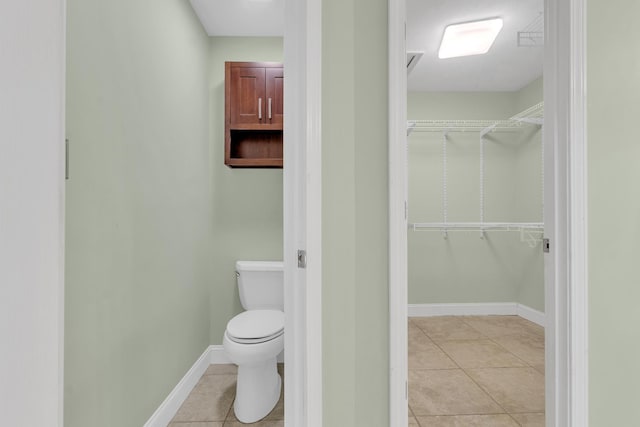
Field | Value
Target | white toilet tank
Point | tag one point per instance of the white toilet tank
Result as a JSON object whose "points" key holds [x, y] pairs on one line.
{"points": [[261, 284]]}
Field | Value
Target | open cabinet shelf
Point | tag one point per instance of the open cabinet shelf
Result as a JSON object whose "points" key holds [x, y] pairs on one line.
{"points": [[254, 148]]}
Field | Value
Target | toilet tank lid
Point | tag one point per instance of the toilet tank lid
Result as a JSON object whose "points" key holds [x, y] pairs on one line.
{"points": [[259, 265]]}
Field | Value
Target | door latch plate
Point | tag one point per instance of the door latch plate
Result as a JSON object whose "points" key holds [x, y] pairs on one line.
{"points": [[302, 258]]}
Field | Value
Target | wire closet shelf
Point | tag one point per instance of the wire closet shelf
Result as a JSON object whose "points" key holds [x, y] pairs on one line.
{"points": [[531, 116], [530, 232]]}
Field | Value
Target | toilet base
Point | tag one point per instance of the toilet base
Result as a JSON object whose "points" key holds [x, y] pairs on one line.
{"points": [[257, 390]]}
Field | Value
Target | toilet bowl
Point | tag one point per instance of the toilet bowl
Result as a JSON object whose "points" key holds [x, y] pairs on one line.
{"points": [[258, 384], [254, 338]]}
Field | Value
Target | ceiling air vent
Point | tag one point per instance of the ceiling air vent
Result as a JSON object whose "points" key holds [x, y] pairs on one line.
{"points": [[533, 34], [412, 60]]}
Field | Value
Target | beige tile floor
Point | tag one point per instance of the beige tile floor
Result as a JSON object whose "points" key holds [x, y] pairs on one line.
{"points": [[475, 371], [210, 403]]}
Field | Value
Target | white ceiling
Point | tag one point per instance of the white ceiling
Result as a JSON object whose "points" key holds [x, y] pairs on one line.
{"points": [[506, 67], [241, 17]]}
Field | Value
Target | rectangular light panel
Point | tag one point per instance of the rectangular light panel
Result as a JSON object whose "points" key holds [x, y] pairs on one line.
{"points": [[470, 38]]}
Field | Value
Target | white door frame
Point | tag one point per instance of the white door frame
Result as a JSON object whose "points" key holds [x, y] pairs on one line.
{"points": [[302, 219], [565, 214], [398, 169], [32, 117]]}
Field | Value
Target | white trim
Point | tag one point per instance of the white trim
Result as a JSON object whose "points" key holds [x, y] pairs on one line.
{"points": [[565, 218], [464, 309], [167, 410], [398, 291], [302, 208], [62, 188], [554, 197], [313, 404], [532, 315], [478, 309], [32, 205], [578, 284]]}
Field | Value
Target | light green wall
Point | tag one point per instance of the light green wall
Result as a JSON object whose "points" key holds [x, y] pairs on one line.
{"points": [[138, 206], [613, 90], [528, 203], [247, 214], [529, 95], [354, 213], [459, 105], [464, 268]]}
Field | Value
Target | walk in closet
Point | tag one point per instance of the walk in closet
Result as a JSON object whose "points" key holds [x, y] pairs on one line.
{"points": [[476, 174], [476, 203]]}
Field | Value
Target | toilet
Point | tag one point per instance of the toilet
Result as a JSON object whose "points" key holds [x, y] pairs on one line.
{"points": [[254, 338]]}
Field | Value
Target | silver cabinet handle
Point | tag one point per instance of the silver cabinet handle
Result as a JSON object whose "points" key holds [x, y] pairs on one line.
{"points": [[269, 108], [259, 108]]}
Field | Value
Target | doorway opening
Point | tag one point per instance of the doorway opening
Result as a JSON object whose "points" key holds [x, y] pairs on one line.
{"points": [[475, 212], [193, 114], [563, 112]]}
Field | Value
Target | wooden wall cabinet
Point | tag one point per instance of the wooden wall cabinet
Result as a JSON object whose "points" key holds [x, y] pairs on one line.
{"points": [[253, 114]]}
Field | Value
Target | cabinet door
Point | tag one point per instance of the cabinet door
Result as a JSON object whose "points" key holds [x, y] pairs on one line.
{"points": [[247, 96], [274, 95]]}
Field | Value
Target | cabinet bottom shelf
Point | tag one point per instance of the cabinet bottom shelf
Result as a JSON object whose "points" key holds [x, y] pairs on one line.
{"points": [[254, 148], [254, 163]]}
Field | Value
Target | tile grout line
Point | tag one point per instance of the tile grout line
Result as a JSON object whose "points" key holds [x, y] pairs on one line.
{"points": [[226, 418], [528, 365], [483, 388], [465, 370], [510, 352], [462, 369], [492, 339], [447, 369], [414, 416], [514, 420], [437, 345], [468, 375], [475, 382]]}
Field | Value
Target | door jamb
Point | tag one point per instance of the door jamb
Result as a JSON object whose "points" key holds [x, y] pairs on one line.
{"points": [[398, 280], [302, 208]]}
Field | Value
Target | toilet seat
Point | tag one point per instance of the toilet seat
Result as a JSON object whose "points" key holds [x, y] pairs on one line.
{"points": [[256, 326]]}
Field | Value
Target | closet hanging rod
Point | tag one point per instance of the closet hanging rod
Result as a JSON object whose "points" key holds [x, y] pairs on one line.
{"points": [[531, 233]]}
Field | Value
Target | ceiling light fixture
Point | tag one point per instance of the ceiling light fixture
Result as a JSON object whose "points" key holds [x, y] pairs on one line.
{"points": [[470, 38]]}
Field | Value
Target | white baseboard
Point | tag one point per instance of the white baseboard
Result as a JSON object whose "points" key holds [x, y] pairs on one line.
{"points": [[213, 355], [477, 309], [532, 315], [472, 309], [167, 410]]}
